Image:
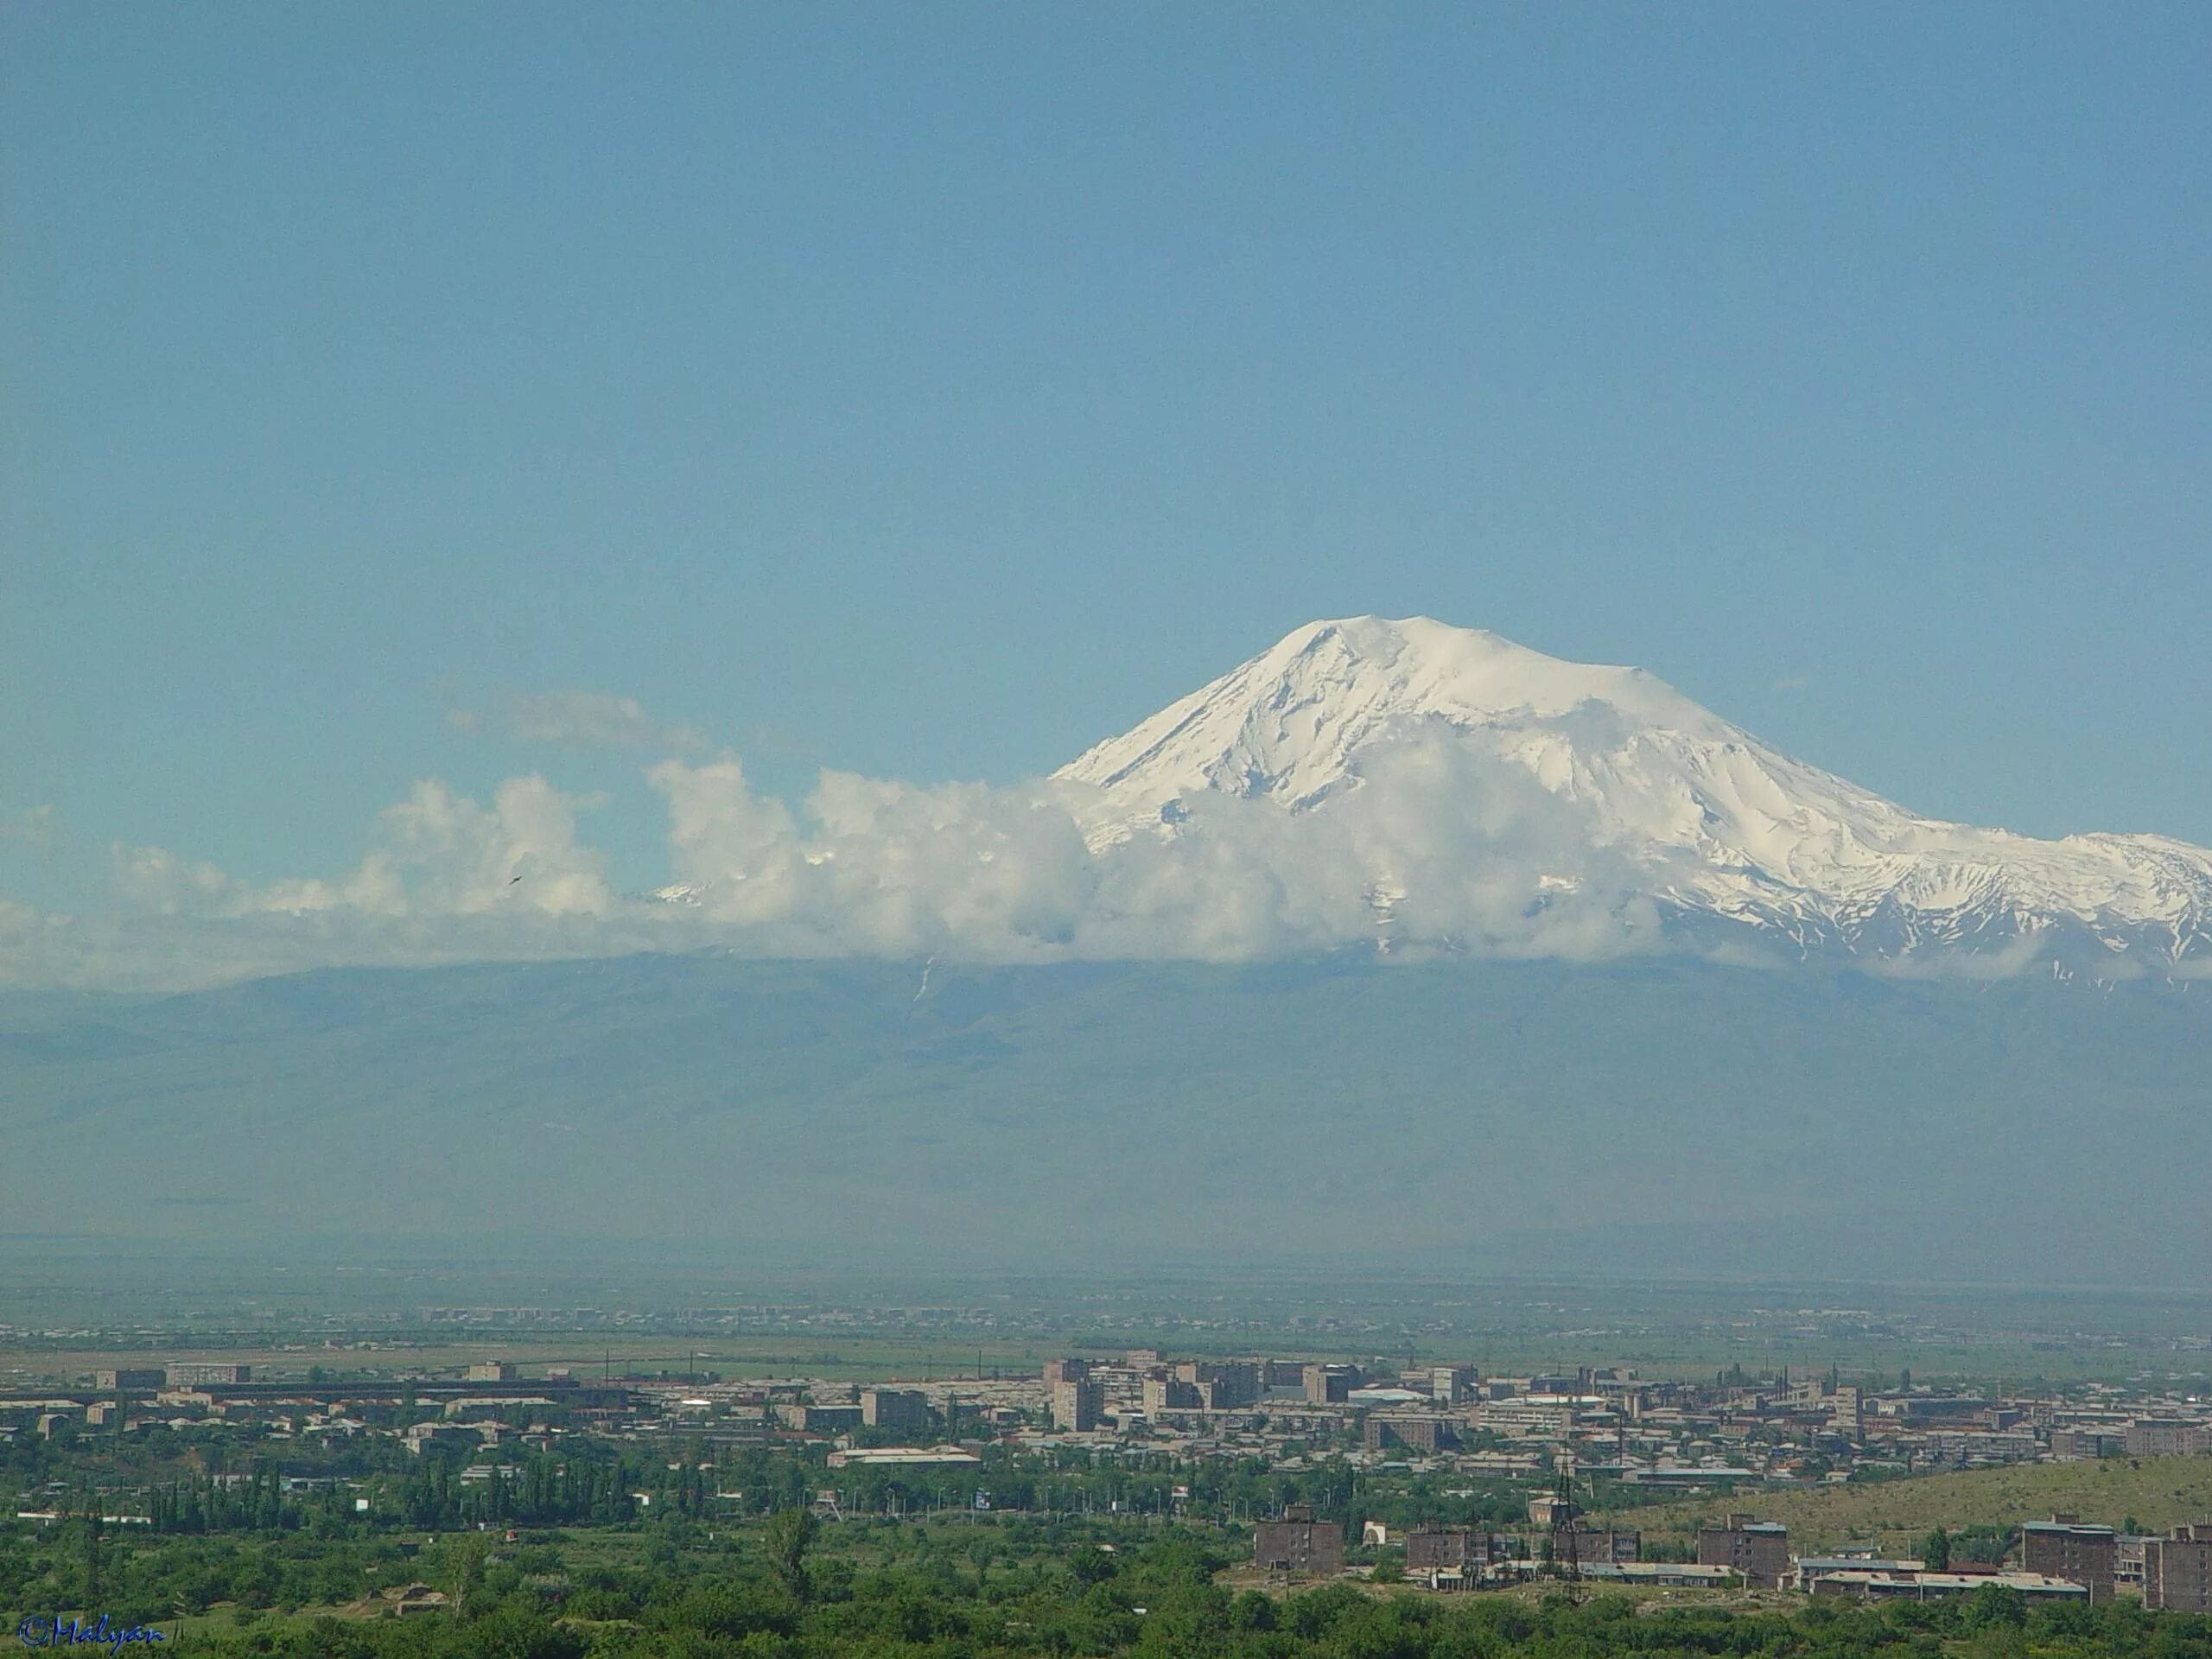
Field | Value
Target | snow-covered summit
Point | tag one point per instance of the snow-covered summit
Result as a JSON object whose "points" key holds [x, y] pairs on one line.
{"points": [[1288, 723], [1719, 827]]}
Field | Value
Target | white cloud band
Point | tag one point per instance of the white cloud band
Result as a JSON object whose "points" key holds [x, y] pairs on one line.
{"points": [[1028, 873]]}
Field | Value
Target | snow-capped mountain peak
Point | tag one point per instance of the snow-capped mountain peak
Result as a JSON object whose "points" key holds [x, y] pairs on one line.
{"points": [[1717, 827], [1288, 723]]}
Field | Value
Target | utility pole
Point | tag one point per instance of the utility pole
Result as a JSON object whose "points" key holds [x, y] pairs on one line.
{"points": [[93, 1554]]}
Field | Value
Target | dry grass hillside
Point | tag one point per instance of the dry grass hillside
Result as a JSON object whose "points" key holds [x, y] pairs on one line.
{"points": [[1896, 1515]]}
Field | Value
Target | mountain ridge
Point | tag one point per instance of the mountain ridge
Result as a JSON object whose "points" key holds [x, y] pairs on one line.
{"points": [[1457, 1114]]}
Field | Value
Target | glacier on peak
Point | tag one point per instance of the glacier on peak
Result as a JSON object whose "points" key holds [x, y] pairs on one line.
{"points": [[1716, 826]]}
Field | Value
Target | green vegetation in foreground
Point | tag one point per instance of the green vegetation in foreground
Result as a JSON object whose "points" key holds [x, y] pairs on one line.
{"points": [[2154, 1492], [787, 1588]]}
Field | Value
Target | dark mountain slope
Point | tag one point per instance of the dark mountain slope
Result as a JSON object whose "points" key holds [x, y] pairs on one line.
{"points": [[1659, 1118]]}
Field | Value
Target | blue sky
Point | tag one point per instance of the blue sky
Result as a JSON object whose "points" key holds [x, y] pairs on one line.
{"points": [[931, 391]]}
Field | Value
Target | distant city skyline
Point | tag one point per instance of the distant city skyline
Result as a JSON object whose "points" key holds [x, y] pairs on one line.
{"points": [[401, 394]]}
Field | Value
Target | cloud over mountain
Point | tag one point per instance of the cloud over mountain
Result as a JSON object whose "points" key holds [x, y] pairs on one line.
{"points": [[1402, 787]]}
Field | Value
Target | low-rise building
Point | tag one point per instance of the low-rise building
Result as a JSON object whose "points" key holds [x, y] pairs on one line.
{"points": [[903, 1457], [142, 1381], [1807, 1570], [1534, 1418], [195, 1374], [1938, 1586], [409, 1599], [1672, 1575]]}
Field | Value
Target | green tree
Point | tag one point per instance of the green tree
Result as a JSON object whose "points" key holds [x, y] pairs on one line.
{"points": [[1936, 1553], [1993, 1606], [465, 1567], [787, 1537]]}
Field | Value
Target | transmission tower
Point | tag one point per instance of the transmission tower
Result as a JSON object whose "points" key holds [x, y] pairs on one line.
{"points": [[1567, 1554]]}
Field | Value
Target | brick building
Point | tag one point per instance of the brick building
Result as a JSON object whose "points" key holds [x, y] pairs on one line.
{"points": [[1464, 1550], [1758, 1549], [1298, 1546], [2062, 1547], [2178, 1570], [1414, 1434], [894, 1409], [1599, 1546]]}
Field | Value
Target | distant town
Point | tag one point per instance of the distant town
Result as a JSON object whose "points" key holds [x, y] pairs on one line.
{"points": [[1557, 1464]]}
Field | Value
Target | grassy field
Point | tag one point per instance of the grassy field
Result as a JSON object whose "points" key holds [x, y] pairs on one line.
{"points": [[1896, 1515]]}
